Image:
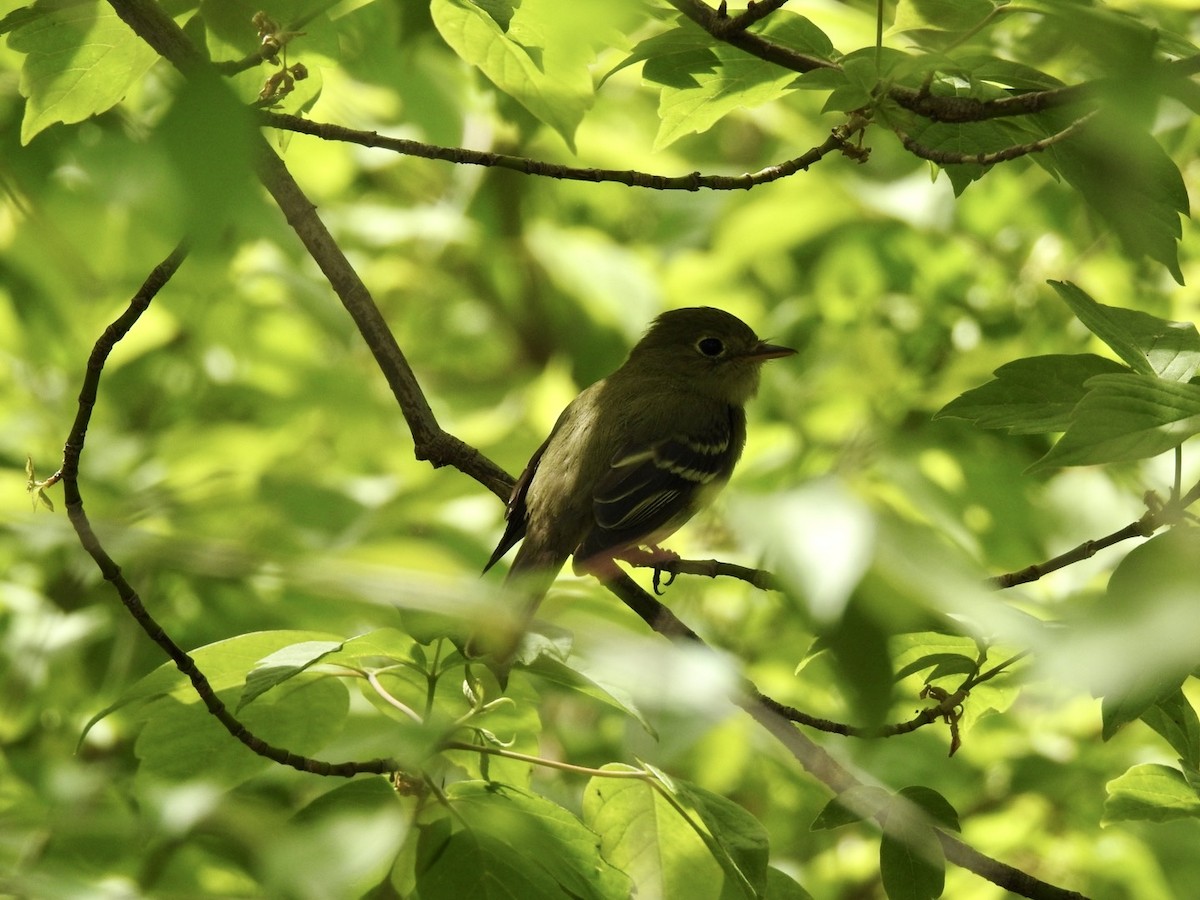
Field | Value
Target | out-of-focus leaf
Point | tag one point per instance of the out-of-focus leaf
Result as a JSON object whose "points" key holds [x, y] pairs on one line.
{"points": [[1150, 607], [940, 15], [1031, 396], [224, 664], [933, 804], [1150, 793]]}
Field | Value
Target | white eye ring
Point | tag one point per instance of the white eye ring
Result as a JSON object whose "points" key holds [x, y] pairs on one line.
{"points": [[711, 347]]}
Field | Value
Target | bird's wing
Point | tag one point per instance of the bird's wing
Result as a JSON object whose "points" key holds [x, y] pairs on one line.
{"points": [[651, 489], [515, 513]]}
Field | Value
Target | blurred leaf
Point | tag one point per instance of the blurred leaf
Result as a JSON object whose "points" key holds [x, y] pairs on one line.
{"points": [[81, 59], [858, 643], [1150, 589], [561, 674], [1031, 396], [224, 665], [1126, 417], [1150, 345], [781, 886], [1150, 793]]}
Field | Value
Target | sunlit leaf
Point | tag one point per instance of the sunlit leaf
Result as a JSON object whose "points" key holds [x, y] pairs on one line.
{"points": [[81, 59], [1151, 793], [1150, 345]]}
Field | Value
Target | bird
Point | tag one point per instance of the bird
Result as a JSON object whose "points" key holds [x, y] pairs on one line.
{"points": [[637, 454]]}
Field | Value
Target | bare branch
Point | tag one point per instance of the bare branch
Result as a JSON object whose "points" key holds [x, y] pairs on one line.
{"points": [[69, 475], [1143, 527], [838, 139], [951, 158]]}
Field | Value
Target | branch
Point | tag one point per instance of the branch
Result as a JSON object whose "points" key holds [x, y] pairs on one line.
{"points": [[951, 158], [936, 108], [1143, 527], [728, 30], [69, 475], [839, 139], [817, 761]]}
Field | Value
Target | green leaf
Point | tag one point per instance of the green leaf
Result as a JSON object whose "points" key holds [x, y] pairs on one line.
{"points": [[1150, 345], [781, 886], [1174, 718], [224, 665], [940, 15], [856, 804], [933, 804], [737, 840], [283, 664], [1124, 418], [549, 80], [672, 58], [1150, 793], [858, 644], [80, 60], [564, 676], [506, 842], [1033, 395], [738, 81], [1129, 180], [644, 835], [702, 85], [182, 741], [912, 864]]}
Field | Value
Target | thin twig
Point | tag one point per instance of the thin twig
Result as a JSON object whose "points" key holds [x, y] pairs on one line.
{"points": [[1143, 527], [837, 140], [69, 474], [953, 158]]}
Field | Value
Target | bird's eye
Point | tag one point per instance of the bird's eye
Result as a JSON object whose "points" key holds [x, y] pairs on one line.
{"points": [[711, 347]]}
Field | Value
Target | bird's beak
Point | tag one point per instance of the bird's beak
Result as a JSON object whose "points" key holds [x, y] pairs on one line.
{"points": [[763, 350]]}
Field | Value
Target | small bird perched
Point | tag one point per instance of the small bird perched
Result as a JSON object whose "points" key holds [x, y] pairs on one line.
{"points": [[639, 453]]}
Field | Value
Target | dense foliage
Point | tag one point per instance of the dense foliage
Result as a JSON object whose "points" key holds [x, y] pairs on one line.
{"points": [[968, 492]]}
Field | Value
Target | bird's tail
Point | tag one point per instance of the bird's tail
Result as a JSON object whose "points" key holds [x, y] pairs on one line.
{"points": [[533, 572]]}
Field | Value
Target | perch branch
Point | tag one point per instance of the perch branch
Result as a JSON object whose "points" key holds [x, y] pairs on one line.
{"points": [[775, 719]]}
